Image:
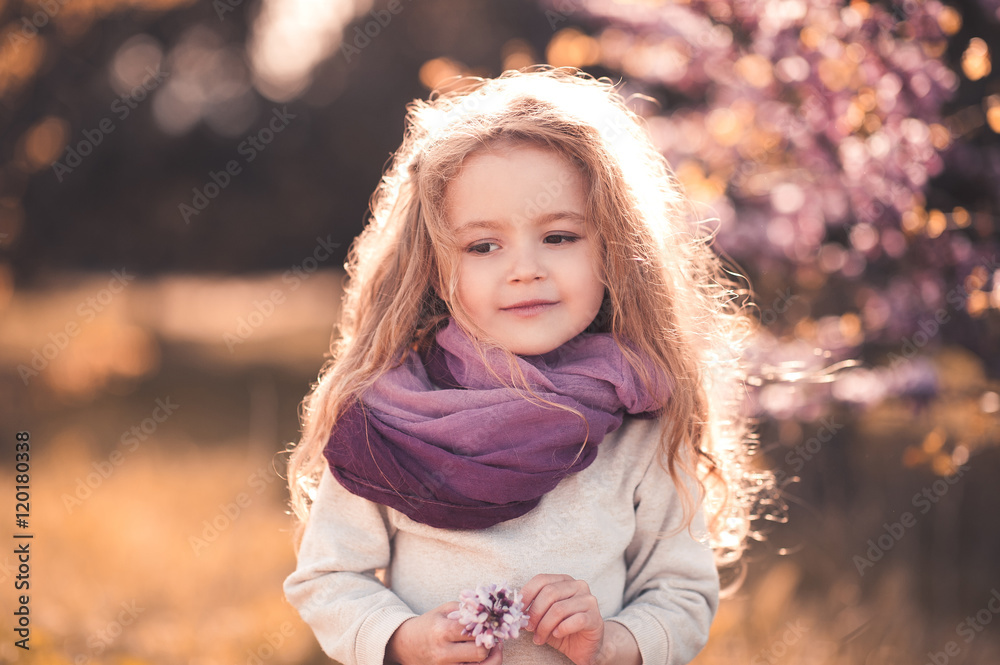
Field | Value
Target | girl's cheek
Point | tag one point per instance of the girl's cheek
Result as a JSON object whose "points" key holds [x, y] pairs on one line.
{"points": [[472, 274]]}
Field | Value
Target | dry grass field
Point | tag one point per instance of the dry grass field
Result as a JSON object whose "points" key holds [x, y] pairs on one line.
{"points": [[162, 536]]}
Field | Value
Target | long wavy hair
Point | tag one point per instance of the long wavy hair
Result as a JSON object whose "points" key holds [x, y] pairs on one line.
{"points": [[668, 299]]}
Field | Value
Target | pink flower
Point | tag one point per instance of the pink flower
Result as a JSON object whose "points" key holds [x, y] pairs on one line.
{"points": [[492, 613]]}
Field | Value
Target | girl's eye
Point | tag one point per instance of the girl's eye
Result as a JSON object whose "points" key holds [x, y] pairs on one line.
{"points": [[560, 239], [551, 239], [482, 247]]}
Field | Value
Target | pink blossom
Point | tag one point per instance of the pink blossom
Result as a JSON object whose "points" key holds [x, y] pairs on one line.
{"points": [[492, 613]]}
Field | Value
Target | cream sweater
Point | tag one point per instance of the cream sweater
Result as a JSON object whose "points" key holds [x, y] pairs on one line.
{"points": [[599, 525]]}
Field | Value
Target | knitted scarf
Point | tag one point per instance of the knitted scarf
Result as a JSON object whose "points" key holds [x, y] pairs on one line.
{"points": [[442, 441]]}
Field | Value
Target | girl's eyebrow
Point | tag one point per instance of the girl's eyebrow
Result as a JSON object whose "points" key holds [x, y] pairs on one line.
{"points": [[490, 224]]}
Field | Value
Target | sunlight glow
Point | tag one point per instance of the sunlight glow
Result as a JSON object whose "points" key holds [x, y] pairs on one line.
{"points": [[290, 37]]}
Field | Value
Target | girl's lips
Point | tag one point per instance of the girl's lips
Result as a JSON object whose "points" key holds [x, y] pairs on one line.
{"points": [[530, 310]]}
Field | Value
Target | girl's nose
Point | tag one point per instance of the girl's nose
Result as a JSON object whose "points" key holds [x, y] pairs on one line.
{"points": [[526, 266]]}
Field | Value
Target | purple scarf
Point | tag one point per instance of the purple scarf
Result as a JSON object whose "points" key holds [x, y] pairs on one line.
{"points": [[441, 441]]}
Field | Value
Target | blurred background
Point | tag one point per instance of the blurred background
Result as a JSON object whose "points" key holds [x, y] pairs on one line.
{"points": [[180, 182]]}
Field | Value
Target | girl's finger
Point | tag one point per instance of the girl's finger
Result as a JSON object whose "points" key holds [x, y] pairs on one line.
{"points": [[537, 583], [575, 623], [465, 652], [496, 655], [451, 628], [552, 593], [582, 606], [455, 634]]}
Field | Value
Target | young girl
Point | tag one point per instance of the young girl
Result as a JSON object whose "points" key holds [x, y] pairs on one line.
{"points": [[535, 382]]}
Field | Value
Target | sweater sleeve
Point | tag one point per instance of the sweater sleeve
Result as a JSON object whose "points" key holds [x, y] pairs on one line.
{"points": [[334, 587], [672, 585]]}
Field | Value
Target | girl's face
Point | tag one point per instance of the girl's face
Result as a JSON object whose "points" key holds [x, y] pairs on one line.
{"points": [[529, 272]]}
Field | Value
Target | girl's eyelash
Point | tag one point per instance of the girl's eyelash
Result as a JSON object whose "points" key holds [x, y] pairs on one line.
{"points": [[472, 249], [567, 238]]}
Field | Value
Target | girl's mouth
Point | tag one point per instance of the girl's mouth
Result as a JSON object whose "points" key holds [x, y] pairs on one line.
{"points": [[530, 307]]}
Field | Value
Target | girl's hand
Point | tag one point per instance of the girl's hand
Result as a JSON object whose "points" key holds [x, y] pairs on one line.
{"points": [[434, 639], [564, 614]]}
